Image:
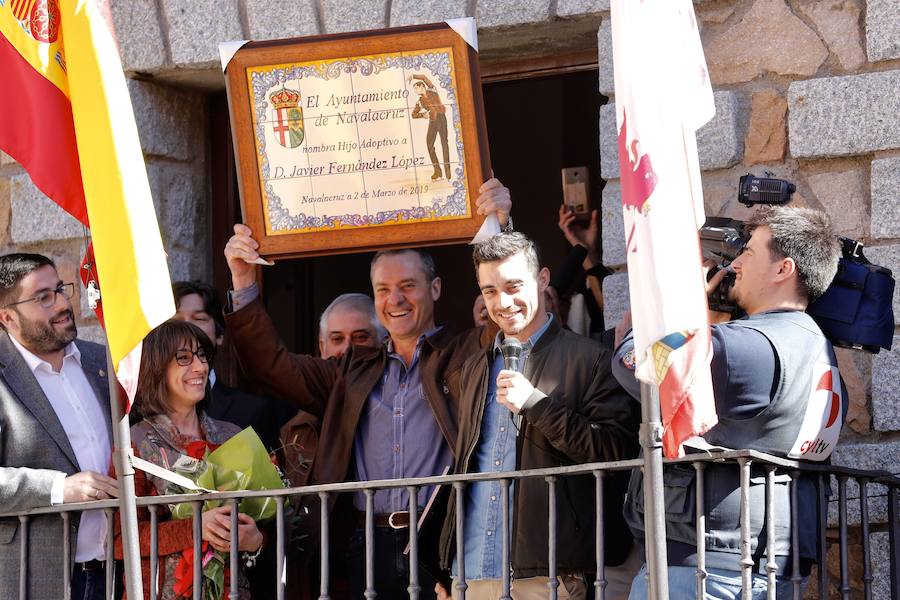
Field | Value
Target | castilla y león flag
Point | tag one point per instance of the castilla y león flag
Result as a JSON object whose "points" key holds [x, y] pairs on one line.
{"points": [[66, 117], [663, 96]]}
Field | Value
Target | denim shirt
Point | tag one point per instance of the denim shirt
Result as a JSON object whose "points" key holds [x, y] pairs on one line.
{"points": [[397, 436], [495, 452]]}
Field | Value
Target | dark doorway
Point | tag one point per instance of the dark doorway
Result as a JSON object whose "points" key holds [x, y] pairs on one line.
{"points": [[536, 127]]}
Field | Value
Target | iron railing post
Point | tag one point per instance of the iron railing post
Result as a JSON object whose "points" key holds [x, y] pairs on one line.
{"points": [[822, 560], [154, 552], [746, 554], [197, 525], [370, 544], [233, 591], [600, 581], [505, 539], [67, 556], [414, 587], [894, 537], [460, 489], [324, 549], [23, 557], [864, 534], [552, 581], [842, 537], [110, 566], [280, 567], [796, 578], [771, 565], [700, 532]]}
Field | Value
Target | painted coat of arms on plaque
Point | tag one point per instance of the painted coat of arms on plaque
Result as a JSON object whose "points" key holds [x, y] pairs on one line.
{"points": [[287, 123]]}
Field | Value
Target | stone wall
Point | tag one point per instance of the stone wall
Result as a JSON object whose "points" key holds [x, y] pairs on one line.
{"points": [[172, 127], [807, 89], [818, 103], [819, 106]]}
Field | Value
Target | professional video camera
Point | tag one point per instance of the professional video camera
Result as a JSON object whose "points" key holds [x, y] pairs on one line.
{"points": [[854, 312]]}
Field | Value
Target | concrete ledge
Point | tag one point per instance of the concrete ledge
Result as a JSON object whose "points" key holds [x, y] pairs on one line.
{"points": [[196, 27], [491, 13], [353, 15], [615, 298], [575, 8], [274, 20], [416, 12], [606, 79], [882, 29], [35, 218], [885, 392], [170, 122], [885, 182], [612, 225], [139, 34], [843, 116]]}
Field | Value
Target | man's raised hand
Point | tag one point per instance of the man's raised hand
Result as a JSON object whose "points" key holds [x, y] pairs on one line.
{"points": [[240, 252], [493, 197]]}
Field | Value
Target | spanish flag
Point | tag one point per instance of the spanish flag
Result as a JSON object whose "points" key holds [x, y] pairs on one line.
{"points": [[66, 117]]}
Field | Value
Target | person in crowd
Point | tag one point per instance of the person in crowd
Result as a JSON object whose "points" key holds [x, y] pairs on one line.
{"points": [[769, 372], [580, 277], [198, 303], [349, 319], [387, 412], [55, 433], [479, 312], [561, 407], [172, 396]]}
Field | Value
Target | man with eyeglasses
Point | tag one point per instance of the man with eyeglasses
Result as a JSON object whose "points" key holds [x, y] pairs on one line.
{"points": [[55, 432]]}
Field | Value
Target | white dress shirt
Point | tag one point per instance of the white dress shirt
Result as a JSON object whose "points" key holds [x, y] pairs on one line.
{"points": [[79, 411]]}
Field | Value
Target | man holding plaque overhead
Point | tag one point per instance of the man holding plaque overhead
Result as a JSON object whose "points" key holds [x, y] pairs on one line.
{"points": [[387, 413]]}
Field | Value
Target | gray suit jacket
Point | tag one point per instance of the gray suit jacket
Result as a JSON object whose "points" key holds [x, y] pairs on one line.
{"points": [[33, 449]]}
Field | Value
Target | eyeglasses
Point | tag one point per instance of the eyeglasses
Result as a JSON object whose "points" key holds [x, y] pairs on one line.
{"points": [[185, 357], [47, 298]]}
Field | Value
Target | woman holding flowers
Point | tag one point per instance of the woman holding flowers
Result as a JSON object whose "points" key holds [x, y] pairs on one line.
{"points": [[171, 395]]}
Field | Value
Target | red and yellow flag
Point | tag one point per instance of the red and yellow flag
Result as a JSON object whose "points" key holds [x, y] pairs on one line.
{"points": [[66, 117]]}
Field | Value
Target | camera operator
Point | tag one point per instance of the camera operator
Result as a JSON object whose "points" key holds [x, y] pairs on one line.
{"points": [[777, 390]]}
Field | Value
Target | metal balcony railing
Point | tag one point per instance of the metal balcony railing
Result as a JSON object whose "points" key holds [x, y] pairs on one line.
{"points": [[742, 460]]}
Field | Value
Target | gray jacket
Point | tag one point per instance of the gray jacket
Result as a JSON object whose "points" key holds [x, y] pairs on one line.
{"points": [[33, 449], [802, 421]]}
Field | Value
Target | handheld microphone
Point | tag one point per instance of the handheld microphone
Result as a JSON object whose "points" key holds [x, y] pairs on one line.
{"points": [[511, 349]]}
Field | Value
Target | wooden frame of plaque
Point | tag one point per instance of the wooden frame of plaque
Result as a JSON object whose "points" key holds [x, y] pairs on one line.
{"points": [[358, 141]]}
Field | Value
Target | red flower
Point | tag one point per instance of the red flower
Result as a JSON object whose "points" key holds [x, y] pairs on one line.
{"points": [[198, 448], [184, 571]]}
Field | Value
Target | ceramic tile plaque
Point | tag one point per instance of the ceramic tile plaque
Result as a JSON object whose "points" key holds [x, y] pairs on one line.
{"points": [[360, 141]]}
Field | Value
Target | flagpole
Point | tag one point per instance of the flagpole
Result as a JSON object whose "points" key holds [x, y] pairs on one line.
{"points": [[125, 474], [654, 508]]}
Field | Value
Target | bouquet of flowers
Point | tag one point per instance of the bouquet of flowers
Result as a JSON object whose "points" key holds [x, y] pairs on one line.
{"points": [[241, 463]]}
